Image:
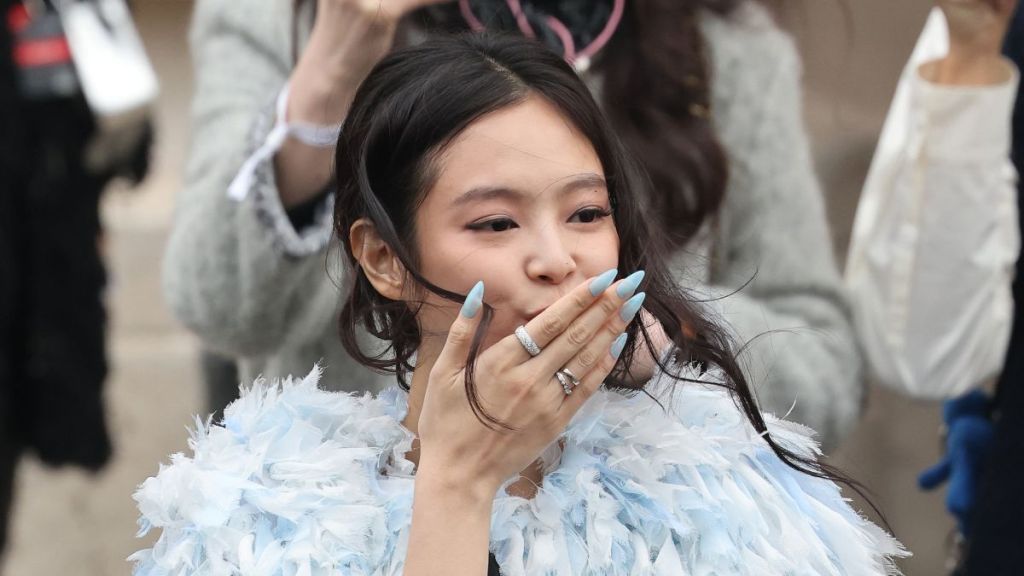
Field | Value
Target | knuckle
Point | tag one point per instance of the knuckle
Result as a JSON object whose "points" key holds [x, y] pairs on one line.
{"points": [[515, 387], [608, 306], [538, 378], [578, 334], [551, 327], [605, 367], [523, 381], [587, 358], [580, 300], [459, 332], [435, 372]]}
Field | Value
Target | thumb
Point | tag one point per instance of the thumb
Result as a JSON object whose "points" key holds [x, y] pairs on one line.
{"points": [[960, 495], [934, 476], [452, 359]]}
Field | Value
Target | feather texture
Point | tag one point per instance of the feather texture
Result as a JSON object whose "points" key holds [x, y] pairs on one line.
{"points": [[300, 481]]}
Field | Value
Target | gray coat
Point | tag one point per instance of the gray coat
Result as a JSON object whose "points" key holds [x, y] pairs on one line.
{"points": [[252, 286]]}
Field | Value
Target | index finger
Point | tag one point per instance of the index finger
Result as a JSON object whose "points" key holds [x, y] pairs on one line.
{"points": [[552, 322]]}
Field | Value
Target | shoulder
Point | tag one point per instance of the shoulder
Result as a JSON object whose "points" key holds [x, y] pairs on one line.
{"points": [[290, 465]]}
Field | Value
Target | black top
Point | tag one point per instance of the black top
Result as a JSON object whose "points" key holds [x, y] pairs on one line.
{"points": [[997, 524]]}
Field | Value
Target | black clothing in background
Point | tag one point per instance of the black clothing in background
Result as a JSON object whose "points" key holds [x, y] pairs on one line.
{"points": [[996, 546], [52, 316], [8, 447]]}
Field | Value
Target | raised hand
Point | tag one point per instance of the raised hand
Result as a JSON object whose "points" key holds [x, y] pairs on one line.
{"points": [[349, 37], [583, 332], [977, 25]]}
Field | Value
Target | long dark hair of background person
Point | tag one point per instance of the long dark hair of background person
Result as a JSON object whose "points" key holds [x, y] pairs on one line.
{"points": [[657, 95]]}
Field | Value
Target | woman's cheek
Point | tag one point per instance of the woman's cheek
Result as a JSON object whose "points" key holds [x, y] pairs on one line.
{"points": [[601, 251]]}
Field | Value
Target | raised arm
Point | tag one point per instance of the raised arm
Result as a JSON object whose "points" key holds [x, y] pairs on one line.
{"points": [[935, 240], [241, 270]]}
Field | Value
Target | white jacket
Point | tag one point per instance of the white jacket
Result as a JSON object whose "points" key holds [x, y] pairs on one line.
{"points": [[301, 481]]}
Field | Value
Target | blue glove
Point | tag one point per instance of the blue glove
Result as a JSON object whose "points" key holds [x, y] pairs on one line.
{"points": [[968, 444]]}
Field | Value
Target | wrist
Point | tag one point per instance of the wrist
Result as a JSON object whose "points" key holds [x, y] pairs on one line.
{"points": [[456, 482], [968, 68], [317, 99]]}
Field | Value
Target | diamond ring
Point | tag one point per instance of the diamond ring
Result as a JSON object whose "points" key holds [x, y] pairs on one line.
{"points": [[527, 341]]}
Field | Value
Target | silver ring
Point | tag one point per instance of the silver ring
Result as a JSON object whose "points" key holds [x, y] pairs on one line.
{"points": [[572, 377], [567, 379], [524, 338]]}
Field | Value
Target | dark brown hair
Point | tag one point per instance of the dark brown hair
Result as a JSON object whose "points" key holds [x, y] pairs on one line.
{"points": [[657, 94], [414, 102]]}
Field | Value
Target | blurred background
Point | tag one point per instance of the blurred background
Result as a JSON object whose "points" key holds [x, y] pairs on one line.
{"points": [[67, 522]]}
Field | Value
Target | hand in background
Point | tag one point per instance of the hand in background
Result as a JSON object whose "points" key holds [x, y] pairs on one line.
{"points": [[348, 38], [968, 444], [977, 26], [977, 29]]}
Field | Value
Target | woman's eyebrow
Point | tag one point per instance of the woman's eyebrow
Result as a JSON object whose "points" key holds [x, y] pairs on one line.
{"points": [[573, 183]]}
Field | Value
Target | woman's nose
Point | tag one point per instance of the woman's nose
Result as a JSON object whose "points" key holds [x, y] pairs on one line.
{"points": [[550, 260]]}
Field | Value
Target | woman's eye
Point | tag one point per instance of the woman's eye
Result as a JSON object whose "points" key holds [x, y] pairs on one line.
{"points": [[590, 215], [495, 225]]}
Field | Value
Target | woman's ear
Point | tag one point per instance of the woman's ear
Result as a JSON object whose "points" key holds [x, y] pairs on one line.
{"points": [[379, 262]]}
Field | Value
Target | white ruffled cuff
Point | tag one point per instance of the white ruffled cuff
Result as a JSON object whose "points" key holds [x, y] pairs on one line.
{"points": [[310, 134], [966, 123], [256, 179]]}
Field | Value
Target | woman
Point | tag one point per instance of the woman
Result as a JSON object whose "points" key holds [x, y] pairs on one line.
{"points": [[483, 166], [696, 88]]}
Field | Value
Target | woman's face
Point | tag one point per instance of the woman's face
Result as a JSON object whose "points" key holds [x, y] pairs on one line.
{"points": [[519, 202]]}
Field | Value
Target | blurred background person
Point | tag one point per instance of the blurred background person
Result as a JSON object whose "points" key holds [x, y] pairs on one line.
{"points": [[705, 92], [53, 318], [936, 235], [932, 264]]}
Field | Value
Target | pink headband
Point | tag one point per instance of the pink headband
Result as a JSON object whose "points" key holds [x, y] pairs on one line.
{"points": [[579, 60]]}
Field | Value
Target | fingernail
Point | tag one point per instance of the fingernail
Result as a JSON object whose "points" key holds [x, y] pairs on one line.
{"points": [[473, 300], [618, 345], [632, 306], [602, 282], [628, 286]]}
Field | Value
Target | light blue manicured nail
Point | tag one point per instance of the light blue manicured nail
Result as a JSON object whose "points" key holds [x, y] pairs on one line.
{"points": [[618, 345], [602, 282], [473, 300], [632, 306], [628, 286]]}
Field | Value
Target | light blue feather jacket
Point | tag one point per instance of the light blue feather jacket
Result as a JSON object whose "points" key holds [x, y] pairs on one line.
{"points": [[301, 481]]}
